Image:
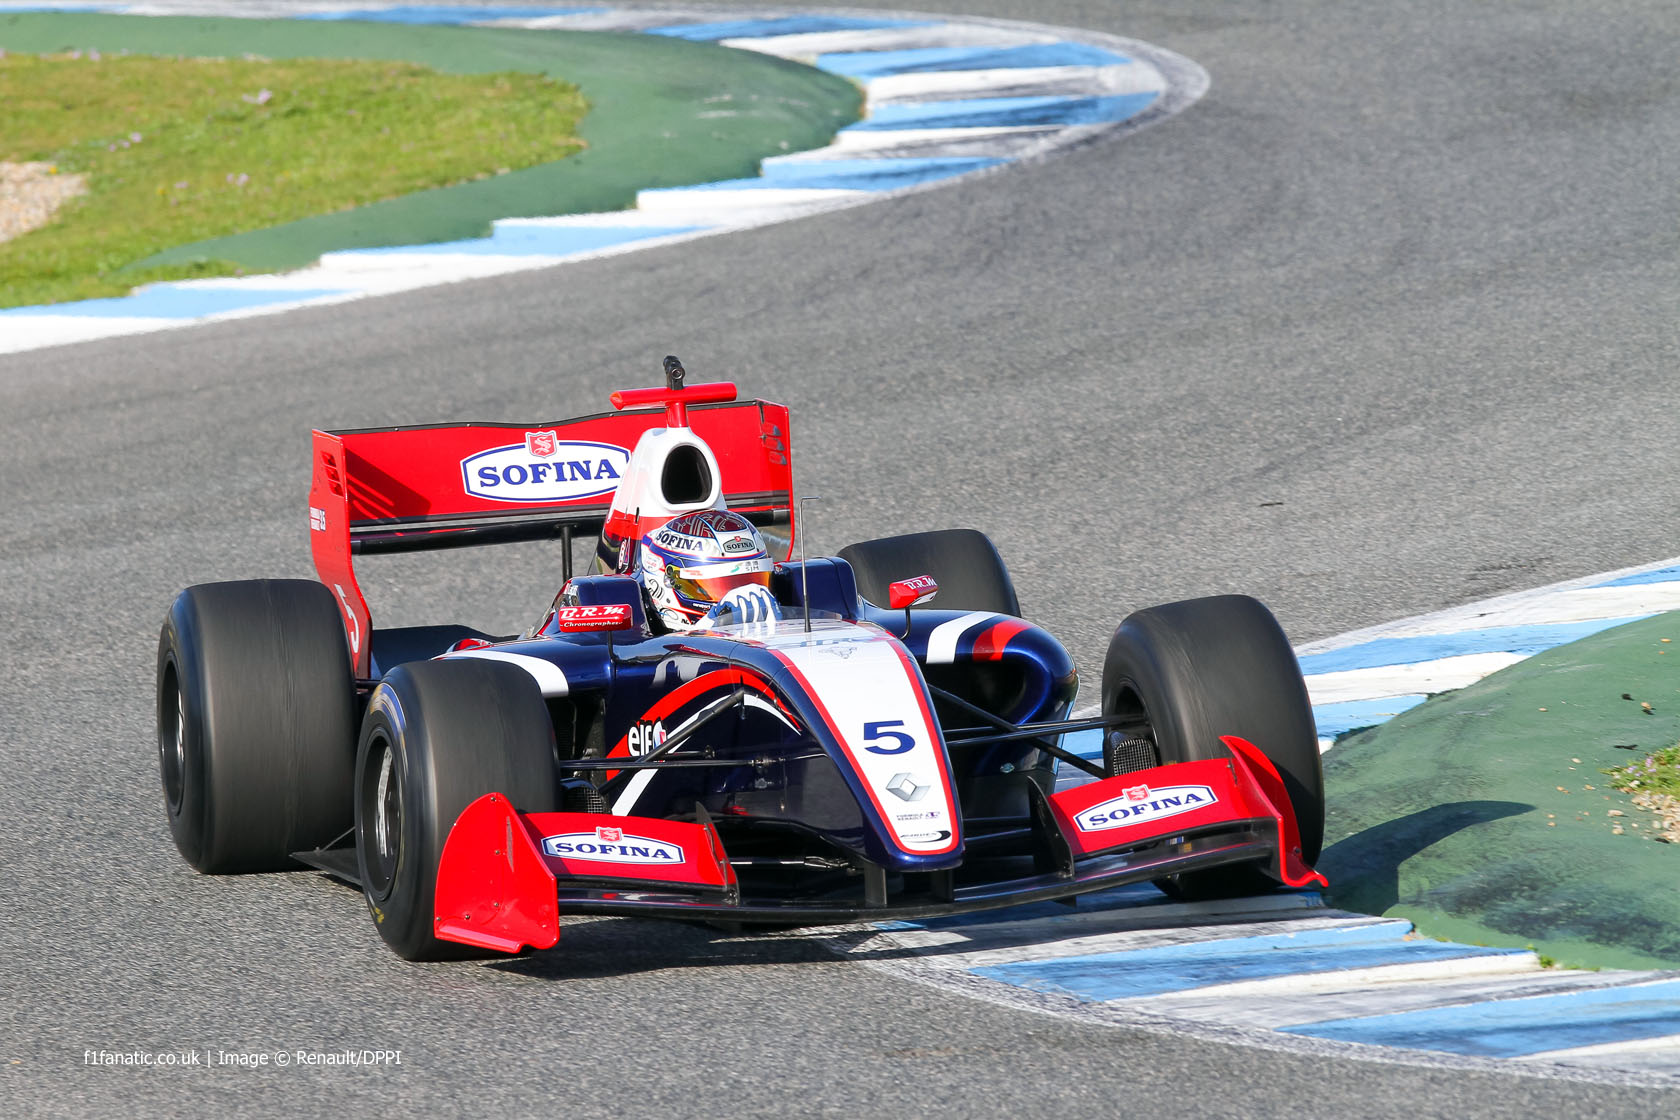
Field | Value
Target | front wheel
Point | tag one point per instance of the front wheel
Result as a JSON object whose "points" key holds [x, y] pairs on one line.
{"points": [[1181, 675], [438, 735]]}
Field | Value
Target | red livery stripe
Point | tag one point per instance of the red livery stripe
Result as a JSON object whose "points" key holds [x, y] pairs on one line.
{"points": [[989, 645]]}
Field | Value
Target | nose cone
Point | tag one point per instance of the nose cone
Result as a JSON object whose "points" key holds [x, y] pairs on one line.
{"points": [[863, 695]]}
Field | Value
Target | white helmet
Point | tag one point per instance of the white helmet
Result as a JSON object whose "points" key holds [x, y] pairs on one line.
{"points": [[705, 568]]}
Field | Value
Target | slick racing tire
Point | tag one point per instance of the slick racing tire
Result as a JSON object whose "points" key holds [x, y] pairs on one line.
{"points": [[1183, 674], [255, 723], [437, 736], [964, 562]]}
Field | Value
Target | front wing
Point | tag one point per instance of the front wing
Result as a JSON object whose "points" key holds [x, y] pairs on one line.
{"points": [[506, 877]]}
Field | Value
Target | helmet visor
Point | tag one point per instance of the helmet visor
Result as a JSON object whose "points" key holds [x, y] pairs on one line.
{"points": [[710, 585]]}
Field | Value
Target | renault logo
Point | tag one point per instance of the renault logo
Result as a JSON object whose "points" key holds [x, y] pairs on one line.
{"points": [[904, 786]]}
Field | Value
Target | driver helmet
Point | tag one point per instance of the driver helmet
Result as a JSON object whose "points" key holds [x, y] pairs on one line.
{"points": [[707, 567]]}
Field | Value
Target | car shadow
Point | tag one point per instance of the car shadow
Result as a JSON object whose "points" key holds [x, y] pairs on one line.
{"points": [[595, 948], [1364, 869]]}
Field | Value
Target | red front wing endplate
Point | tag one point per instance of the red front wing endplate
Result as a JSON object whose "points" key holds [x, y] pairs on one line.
{"points": [[500, 872], [1124, 811]]}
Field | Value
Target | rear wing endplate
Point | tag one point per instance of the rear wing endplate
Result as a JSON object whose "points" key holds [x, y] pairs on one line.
{"points": [[422, 487]]}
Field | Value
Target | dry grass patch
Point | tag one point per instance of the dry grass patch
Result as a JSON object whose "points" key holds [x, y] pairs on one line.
{"points": [[31, 193]]}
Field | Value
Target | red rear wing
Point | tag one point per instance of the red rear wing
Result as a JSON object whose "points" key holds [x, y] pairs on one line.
{"points": [[453, 485]]}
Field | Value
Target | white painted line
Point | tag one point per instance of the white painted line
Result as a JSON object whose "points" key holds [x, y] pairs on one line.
{"points": [[893, 145], [1577, 600], [1400, 680], [668, 200], [1343, 996], [1061, 81], [611, 219], [954, 34], [1341, 981], [31, 332], [1044, 941], [622, 19], [1668, 1045], [846, 141]]}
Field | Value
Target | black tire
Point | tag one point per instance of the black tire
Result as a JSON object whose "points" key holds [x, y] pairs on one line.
{"points": [[970, 573], [256, 723], [1184, 674], [438, 735]]}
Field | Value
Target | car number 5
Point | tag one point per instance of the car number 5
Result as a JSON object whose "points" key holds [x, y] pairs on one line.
{"points": [[882, 729]]}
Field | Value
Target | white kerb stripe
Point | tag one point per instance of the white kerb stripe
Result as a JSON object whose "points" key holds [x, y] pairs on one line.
{"points": [[942, 643], [547, 674]]}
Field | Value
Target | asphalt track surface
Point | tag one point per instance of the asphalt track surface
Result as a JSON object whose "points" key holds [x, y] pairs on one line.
{"points": [[1409, 269]]}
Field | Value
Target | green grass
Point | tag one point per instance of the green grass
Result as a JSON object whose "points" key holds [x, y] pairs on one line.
{"points": [[1658, 772], [178, 150]]}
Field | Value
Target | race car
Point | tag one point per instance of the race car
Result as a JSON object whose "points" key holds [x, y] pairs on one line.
{"points": [[695, 728]]}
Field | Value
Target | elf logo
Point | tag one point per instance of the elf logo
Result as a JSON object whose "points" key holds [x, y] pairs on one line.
{"points": [[544, 468], [644, 737]]}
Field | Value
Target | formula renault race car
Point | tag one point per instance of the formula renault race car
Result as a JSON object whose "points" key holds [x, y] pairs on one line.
{"points": [[696, 729]]}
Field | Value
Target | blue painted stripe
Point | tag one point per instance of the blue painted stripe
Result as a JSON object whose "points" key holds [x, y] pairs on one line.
{"points": [[1430, 647], [1661, 575], [875, 64], [851, 174], [540, 241], [1334, 719], [890, 172], [442, 13], [1175, 968], [1510, 1028], [785, 25], [169, 301], [1004, 112]]}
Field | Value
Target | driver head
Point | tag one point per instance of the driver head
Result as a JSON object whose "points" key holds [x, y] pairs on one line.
{"points": [[700, 566]]}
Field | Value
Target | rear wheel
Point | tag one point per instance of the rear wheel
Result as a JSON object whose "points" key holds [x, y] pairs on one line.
{"points": [[970, 573], [439, 735], [255, 723], [1182, 675]]}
